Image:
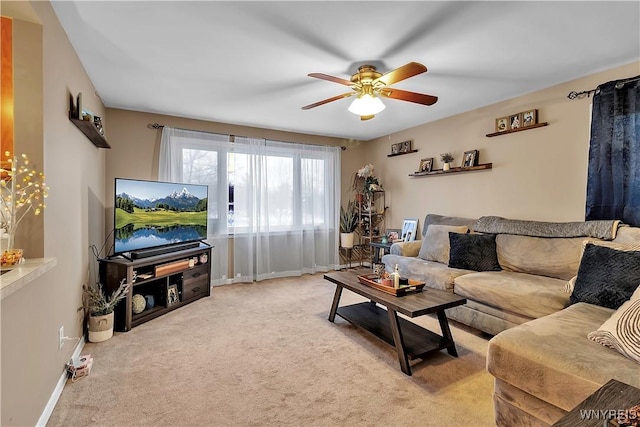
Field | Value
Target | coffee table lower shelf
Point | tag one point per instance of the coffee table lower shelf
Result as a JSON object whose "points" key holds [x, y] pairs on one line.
{"points": [[418, 342]]}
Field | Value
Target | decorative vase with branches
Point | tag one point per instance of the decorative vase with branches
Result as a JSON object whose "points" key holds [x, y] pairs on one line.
{"points": [[446, 158], [99, 302]]}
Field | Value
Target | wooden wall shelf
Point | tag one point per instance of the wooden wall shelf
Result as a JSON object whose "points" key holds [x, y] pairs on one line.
{"points": [[400, 154], [453, 170], [88, 128], [90, 131], [505, 132]]}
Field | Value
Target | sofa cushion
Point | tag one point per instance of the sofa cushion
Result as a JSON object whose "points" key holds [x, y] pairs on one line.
{"points": [[519, 293], [628, 235], [621, 331], [434, 274], [435, 245], [435, 219], [552, 359], [473, 252], [607, 275], [542, 256]]}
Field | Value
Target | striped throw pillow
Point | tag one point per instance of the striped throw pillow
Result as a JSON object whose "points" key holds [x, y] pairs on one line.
{"points": [[622, 330]]}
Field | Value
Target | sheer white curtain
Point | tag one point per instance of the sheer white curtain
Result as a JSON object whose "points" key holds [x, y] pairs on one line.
{"points": [[273, 206]]}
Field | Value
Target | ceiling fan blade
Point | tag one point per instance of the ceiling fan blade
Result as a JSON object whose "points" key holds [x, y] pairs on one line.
{"points": [[404, 95], [330, 78], [394, 76], [326, 101]]}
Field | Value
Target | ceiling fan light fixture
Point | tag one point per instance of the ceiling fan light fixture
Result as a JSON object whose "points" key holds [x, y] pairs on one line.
{"points": [[366, 105]]}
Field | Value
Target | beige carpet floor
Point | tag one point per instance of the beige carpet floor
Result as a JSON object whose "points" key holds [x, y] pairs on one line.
{"points": [[264, 354]]}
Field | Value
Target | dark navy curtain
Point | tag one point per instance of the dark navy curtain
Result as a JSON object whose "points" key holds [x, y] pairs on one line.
{"points": [[613, 182]]}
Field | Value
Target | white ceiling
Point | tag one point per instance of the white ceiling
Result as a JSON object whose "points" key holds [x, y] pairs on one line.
{"points": [[246, 63]]}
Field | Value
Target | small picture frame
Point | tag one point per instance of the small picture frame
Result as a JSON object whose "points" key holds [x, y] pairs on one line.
{"points": [[405, 146], [529, 117], [502, 124], [395, 148], [515, 121], [426, 165], [470, 158], [409, 229], [172, 295], [393, 235]]}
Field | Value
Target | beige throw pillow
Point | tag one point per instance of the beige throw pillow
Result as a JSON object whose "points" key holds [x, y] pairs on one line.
{"points": [[435, 245], [622, 331]]}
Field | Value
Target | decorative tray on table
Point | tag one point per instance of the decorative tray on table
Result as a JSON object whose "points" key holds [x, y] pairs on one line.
{"points": [[374, 281]]}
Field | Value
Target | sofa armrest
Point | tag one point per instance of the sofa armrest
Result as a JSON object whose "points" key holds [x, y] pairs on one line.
{"points": [[411, 248]]}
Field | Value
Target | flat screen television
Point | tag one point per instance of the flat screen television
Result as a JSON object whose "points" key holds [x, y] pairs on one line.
{"points": [[151, 214]]}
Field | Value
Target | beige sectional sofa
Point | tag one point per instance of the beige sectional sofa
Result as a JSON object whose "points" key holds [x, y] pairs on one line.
{"points": [[540, 356]]}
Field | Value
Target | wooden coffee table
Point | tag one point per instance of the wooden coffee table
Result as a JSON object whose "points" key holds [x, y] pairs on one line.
{"points": [[410, 340]]}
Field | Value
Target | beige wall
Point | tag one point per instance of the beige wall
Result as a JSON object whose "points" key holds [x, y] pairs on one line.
{"points": [[74, 218], [538, 174]]}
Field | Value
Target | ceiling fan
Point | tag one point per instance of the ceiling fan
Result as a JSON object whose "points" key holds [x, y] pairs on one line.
{"points": [[368, 85]]}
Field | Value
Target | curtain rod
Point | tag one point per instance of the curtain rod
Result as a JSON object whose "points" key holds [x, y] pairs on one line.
{"points": [[619, 85], [159, 126]]}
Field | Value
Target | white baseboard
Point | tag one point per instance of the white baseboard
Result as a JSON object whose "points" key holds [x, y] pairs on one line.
{"points": [[53, 400]]}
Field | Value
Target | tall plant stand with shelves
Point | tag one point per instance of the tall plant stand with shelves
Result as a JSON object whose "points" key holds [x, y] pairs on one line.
{"points": [[371, 213], [172, 280]]}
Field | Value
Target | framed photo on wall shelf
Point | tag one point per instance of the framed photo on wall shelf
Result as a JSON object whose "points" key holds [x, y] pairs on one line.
{"points": [[405, 146], [395, 148], [529, 117], [515, 121], [426, 165], [470, 158], [502, 124]]}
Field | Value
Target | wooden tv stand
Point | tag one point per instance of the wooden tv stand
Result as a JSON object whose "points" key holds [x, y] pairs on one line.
{"points": [[156, 276]]}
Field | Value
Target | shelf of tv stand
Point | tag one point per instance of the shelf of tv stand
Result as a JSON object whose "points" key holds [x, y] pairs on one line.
{"points": [[453, 170], [193, 283]]}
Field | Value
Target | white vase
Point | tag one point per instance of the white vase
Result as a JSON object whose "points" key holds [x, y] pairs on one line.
{"points": [[346, 240], [445, 167], [100, 327]]}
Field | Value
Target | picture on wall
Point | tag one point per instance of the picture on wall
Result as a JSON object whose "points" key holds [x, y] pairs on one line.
{"points": [[502, 124], [405, 146], [426, 165], [470, 158], [529, 118], [515, 121], [409, 229], [395, 148]]}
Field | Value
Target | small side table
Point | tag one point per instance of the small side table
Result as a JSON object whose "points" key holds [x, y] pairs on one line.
{"points": [[379, 249], [604, 405]]}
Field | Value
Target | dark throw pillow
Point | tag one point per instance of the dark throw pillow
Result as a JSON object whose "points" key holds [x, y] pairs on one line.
{"points": [[606, 277], [473, 252]]}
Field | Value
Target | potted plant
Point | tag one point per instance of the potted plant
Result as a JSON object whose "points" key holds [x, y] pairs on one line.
{"points": [[100, 306], [365, 182], [446, 158], [348, 224]]}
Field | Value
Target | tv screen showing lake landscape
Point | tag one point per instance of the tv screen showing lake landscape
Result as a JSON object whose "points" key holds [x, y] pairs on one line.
{"points": [[150, 213]]}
